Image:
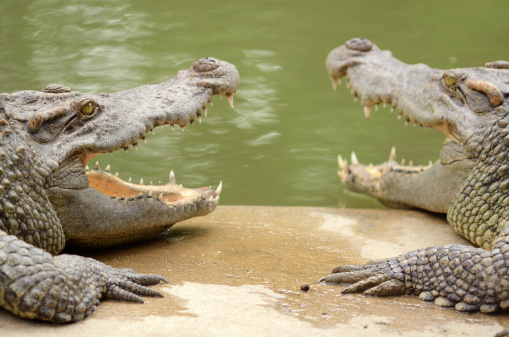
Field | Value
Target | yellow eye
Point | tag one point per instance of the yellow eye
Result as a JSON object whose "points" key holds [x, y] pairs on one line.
{"points": [[449, 81], [88, 109]]}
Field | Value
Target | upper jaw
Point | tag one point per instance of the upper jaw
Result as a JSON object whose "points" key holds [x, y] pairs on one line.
{"points": [[376, 77], [125, 117]]}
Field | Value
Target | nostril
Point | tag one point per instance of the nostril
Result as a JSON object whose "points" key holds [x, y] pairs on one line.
{"points": [[359, 44], [205, 64]]}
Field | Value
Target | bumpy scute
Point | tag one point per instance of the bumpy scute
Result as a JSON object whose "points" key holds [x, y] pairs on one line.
{"points": [[470, 106], [47, 200]]}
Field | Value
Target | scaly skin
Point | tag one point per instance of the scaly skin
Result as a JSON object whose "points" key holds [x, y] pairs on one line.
{"points": [[48, 200], [469, 182]]}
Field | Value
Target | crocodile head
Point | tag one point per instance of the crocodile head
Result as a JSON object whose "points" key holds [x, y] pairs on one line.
{"points": [[63, 130], [458, 102]]}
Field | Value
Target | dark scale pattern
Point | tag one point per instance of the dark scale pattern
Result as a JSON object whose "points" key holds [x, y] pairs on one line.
{"points": [[479, 211], [466, 278], [46, 138], [470, 102], [33, 284], [25, 210]]}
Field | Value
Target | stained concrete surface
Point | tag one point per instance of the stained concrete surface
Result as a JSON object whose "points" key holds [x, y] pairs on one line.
{"points": [[238, 272]]}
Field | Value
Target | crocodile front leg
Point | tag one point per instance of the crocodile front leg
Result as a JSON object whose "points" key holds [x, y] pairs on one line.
{"points": [[64, 288], [466, 278]]}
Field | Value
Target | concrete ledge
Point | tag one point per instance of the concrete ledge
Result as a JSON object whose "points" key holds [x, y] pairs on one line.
{"points": [[238, 272]]}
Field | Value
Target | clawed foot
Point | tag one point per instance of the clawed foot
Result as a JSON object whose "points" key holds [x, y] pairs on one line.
{"points": [[127, 285], [89, 281], [374, 278]]}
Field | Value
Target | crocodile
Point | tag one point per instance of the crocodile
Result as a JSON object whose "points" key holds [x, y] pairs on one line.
{"points": [[469, 182], [48, 199]]}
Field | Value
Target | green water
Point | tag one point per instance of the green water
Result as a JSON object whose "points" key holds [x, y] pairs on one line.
{"points": [[280, 143]]}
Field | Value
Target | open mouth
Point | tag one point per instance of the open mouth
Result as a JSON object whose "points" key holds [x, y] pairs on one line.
{"points": [[375, 171], [170, 193]]}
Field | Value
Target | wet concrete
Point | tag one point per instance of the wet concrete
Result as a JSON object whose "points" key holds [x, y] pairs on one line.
{"points": [[239, 271]]}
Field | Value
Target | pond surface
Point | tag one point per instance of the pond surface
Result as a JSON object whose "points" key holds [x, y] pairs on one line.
{"points": [[279, 145]]}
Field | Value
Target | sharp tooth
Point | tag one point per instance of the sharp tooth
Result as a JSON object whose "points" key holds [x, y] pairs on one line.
{"points": [[392, 108], [149, 194], [172, 127], [402, 161], [151, 183], [130, 180], [230, 99], [205, 110], [392, 156], [96, 166], [172, 177], [160, 197], [191, 121], [110, 152], [399, 116], [152, 130], [199, 119], [411, 163], [135, 145], [116, 174], [219, 188], [126, 149], [182, 128], [376, 107], [107, 169], [335, 82], [141, 181], [367, 111], [355, 99], [384, 105], [123, 197], [87, 168], [348, 85], [353, 159], [159, 183], [211, 103], [343, 164], [144, 139], [407, 121]]}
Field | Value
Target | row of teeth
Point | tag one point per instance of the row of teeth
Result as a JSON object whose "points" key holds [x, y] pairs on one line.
{"points": [[367, 108], [149, 195], [182, 127], [343, 163]]}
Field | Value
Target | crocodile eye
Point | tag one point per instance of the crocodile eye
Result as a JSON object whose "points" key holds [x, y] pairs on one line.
{"points": [[449, 80], [87, 107]]}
